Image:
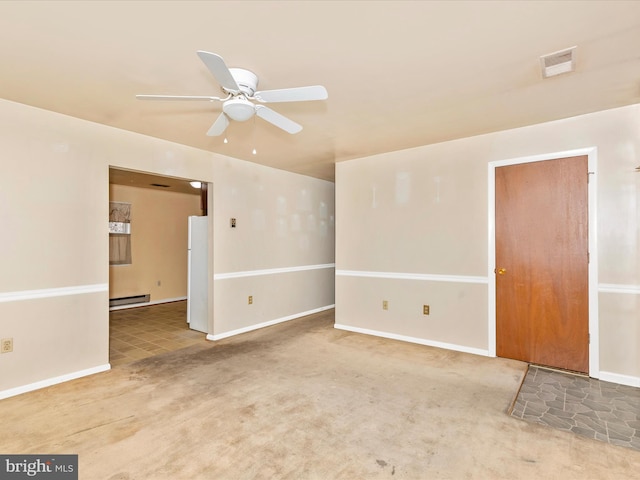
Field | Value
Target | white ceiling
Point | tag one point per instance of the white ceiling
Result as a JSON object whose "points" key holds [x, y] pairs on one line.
{"points": [[399, 74]]}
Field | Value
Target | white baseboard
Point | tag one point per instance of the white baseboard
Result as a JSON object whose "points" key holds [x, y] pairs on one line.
{"points": [[621, 379], [146, 304], [250, 328], [420, 341], [12, 392]]}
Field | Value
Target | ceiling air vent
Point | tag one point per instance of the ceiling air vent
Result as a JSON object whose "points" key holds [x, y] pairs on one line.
{"points": [[558, 62], [159, 185]]}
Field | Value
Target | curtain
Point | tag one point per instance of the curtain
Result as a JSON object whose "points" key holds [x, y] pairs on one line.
{"points": [[119, 233]]}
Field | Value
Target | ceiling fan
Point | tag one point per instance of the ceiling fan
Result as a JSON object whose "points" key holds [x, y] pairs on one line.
{"points": [[240, 86]]}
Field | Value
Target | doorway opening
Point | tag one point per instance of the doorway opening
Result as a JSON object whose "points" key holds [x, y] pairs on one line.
{"points": [[157, 272], [592, 269]]}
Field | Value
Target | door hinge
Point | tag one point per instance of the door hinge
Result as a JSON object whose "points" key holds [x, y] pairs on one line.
{"points": [[588, 257], [589, 176], [589, 338]]}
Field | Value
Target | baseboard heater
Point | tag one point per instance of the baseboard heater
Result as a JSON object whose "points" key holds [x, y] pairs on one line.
{"points": [[116, 302]]}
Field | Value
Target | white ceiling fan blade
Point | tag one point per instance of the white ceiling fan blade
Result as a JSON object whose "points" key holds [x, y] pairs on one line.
{"points": [[298, 94], [219, 70], [219, 126], [278, 120], [177, 97]]}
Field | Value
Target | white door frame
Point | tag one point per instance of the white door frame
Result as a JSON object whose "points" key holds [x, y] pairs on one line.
{"points": [[594, 336]]}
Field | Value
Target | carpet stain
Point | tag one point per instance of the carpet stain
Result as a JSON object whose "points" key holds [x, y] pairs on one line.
{"points": [[383, 464]]}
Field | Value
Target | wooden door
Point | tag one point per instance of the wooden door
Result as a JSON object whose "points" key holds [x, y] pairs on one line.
{"points": [[542, 296]]}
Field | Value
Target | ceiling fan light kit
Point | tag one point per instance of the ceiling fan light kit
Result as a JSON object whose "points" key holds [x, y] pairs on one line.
{"points": [[240, 85], [239, 109]]}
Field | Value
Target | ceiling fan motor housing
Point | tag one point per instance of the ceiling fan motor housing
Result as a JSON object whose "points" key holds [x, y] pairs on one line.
{"points": [[246, 80]]}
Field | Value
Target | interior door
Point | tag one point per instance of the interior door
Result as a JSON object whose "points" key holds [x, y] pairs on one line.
{"points": [[542, 276]]}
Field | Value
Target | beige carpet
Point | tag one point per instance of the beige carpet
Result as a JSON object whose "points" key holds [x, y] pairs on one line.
{"points": [[302, 400]]}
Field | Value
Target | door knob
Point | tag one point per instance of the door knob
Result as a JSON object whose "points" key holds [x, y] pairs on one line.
{"points": [[502, 271]]}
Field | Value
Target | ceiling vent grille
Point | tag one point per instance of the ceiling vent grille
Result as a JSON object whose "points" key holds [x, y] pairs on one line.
{"points": [[558, 62]]}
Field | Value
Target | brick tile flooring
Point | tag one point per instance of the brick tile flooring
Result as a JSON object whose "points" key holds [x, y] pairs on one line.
{"points": [[585, 406], [142, 332]]}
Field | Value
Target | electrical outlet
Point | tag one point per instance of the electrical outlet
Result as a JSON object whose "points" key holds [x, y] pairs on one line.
{"points": [[385, 305], [250, 299], [425, 309], [6, 345]]}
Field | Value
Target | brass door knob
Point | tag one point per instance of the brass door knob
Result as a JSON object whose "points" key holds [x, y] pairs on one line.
{"points": [[502, 271]]}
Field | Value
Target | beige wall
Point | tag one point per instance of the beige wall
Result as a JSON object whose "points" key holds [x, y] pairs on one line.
{"points": [[283, 220], [54, 198], [158, 243], [424, 211]]}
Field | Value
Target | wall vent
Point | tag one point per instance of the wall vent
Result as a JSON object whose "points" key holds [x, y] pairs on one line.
{"points": [[557, 63]]}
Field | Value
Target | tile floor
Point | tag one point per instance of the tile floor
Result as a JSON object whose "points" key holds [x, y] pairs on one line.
{"points": [[142, 332], [574, 403]]}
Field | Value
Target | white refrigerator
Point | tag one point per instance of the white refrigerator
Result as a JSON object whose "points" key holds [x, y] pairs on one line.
{"points": [[197, 272]]}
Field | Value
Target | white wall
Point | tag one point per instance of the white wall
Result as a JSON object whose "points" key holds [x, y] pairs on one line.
{"points": [[413, 229], [54, 199]]}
